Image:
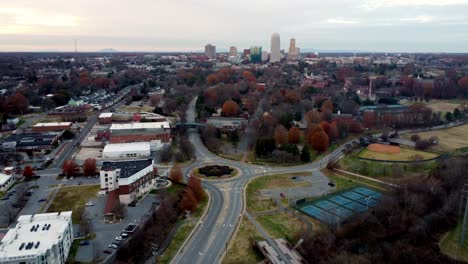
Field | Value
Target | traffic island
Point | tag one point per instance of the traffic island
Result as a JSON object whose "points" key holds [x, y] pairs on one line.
{"points": [[216, 172]]}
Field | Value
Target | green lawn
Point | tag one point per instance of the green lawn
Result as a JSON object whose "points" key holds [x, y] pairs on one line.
{"points": [[255, 202], [449, 245], [343, 181], [281, 225], [73, 199], [176, 243]]}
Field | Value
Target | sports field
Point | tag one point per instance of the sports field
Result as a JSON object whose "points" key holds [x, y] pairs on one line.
{"points": [[404, 154], [449, 139], [439, 105]]}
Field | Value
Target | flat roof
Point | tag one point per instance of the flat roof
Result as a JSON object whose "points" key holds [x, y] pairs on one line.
{"points": [[128, 167], [4, 178], [52, 124], [144, 125], [134, 146], [50, 228], [105, 115], [31, 139]]}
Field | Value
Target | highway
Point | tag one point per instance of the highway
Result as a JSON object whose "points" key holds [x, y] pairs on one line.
{"points": [[209, 242]]}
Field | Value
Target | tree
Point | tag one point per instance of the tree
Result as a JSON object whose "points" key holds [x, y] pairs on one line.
{"points": [[28, 172], [194, 183], [230, 108], [89, 167], [67, 134], [319, 141], [212, 79], [17, 104], [327, 128], [457, 114], [264, 146], [463, 83], [294, 135], [70, 168], [175, 174], [305, 154], [189, 201], [449, 116], [327, 106], [281, 135]]}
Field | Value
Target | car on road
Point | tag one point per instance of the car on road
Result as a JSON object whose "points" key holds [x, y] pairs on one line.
{"points": [[5, 198], [124, 235], [84, 243], [120, 238], [90, 204], [113, 245], [41, 200], [16, 205], [107, 251]]}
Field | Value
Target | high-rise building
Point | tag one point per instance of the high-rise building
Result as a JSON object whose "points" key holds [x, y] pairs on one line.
{"points": [[275, 53], [293, 53], [256, 54], [232, 51], [210, 51]]}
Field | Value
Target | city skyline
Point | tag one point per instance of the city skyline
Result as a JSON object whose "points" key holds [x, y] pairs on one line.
{"points": [[182, 25]]}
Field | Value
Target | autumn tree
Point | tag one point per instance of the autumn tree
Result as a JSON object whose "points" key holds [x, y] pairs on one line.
{"points": [[463, 83], [28, 172], [175, 174], [212, 79], [17, 103], [326, 127], [319, 141], [294, 135], [292, 97], [327, 106], [230, 108], [189, 201], [281, 135], [89, 167], [70, 168], [195, 184], [313, 117]]}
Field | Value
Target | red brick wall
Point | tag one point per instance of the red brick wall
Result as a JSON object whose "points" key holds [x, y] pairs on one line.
{"points": [[139, 138], [50, 128]]}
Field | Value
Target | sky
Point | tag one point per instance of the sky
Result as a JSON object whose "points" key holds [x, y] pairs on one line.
{"points": [[188, 25]]}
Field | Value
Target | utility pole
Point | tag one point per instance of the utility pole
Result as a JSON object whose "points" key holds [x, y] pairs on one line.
{"points": [[465, 214]]}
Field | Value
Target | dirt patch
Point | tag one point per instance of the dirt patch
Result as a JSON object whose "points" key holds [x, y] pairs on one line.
{"points": [[381, 148]]}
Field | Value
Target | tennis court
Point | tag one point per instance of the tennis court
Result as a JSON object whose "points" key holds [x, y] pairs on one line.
{"points": [[335, 209]]}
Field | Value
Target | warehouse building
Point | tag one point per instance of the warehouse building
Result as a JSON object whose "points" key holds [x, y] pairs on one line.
{"points": [[37, 239], [127, 150], [140, 132], [57, 127], [29, 141], [6, 181]]}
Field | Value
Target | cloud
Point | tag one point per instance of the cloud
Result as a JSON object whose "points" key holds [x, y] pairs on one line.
{"points": [[29, 17], [341, 21], [418, 19], [375, 4]]}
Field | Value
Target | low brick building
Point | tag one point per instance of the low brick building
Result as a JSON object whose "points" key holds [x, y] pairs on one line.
{"points": [[140, 132], [52, 127]]}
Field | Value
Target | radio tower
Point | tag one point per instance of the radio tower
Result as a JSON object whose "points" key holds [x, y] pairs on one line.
{"points": [[75, 49]]}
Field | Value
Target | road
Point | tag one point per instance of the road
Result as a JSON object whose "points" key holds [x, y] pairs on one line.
{"points": [[210, 240]]}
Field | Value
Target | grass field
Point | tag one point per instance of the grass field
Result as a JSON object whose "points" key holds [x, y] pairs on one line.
{"points": [[241, 249], [449, 245], [136, 108], [176, 242], [73, 199], [404, 155], [281, 225], [254, 197], [449, 139], [439, 105]]}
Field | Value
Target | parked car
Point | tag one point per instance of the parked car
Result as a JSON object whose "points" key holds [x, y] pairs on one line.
{"points": [[113, 245], [120, 238], [124, 235], [84, 243], [16, 205], [5, 198], [107, 251], [90, 204]]}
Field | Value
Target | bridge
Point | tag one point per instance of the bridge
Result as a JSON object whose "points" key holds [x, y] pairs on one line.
{"points": [[186, 125]]}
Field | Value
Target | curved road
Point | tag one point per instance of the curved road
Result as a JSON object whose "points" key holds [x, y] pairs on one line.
{"points": [[210, 239]]}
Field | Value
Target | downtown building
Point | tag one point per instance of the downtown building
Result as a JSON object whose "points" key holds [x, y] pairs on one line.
{"points": [[256, 54], [38, 239], [275, 53], [210, 51], [293, 54]]}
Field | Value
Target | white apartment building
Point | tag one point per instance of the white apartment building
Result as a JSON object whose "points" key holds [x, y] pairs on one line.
{"points": [[38, 239]]}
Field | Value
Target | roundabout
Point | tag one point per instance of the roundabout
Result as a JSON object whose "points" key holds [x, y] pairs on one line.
{"points": [[216, 172]]}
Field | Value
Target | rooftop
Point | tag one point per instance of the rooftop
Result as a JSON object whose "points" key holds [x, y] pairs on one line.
{"points": [[52, 124], [145, 125], [43, 230], [105, 115], [4, 178], [134, 146], [128, 167], [31, 139]]}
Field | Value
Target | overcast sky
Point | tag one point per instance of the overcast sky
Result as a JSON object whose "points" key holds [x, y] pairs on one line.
{"points": [[187, 25]]}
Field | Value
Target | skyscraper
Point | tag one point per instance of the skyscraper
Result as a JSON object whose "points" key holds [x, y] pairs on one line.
{"points": [[232, 51], [256, 54], [293, 53], [275, 53], [210, 51]]}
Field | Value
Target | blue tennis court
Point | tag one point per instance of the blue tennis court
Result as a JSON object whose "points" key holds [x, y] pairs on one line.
{"points": [[336, 208]]}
